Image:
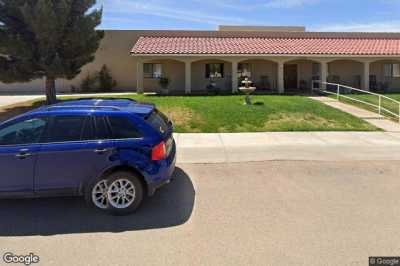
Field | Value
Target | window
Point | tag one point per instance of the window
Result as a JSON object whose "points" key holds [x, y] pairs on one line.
{"points": [[67, 128], [123, 128], [25, 132], [214, 70], [88, 130], [396, 70], [152, 71], [158, 121], [102, 130], [391, 70]]}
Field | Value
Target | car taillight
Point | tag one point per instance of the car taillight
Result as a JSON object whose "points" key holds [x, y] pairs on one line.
{"points": [[159, 152]]}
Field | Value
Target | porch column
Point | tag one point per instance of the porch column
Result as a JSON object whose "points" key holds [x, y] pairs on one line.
{"points": [[366, 76], [139, 77], [281, 76], [188, 77], [235, 84], [324, 74]]}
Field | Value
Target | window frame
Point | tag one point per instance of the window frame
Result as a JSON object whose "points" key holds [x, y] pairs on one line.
{"points": [[390, 67], [106, 124], [21, 120], [152, 74], [397, 67], [208, 70], [46, 136]]}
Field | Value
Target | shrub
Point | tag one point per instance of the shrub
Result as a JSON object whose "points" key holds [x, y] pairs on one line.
{"points": [[89, 83], [101, 81], [106, 81]]}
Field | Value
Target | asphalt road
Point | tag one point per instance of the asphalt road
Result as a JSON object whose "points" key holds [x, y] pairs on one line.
{"points": [[264, 213]]}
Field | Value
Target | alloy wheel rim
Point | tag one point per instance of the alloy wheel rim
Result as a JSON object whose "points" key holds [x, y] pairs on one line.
{"points": [[99, 194], [121, 193]]}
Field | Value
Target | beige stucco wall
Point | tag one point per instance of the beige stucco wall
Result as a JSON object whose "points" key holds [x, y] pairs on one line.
{"points": [[114, 51], [347, 71]]}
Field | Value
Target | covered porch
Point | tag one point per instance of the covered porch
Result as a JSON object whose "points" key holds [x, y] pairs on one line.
{"points": [[275, 62], [294, 75]]}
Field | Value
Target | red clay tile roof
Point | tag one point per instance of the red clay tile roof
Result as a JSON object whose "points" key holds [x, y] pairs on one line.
{"points": [[361, 44]]}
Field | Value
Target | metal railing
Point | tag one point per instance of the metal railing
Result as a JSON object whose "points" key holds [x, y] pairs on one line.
{"points": [[381, 109]]}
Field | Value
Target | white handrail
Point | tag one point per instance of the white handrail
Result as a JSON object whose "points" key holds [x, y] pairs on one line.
{"points": [[338, 95]]}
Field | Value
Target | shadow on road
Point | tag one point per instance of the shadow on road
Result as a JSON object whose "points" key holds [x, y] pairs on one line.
{"points": [[172, 205]]}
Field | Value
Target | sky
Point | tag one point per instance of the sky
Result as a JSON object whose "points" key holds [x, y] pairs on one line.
{"points": [[315, 15]]}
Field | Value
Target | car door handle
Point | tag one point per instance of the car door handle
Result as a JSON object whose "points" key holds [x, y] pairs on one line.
{"points": [[101, 151], [23, 155]]}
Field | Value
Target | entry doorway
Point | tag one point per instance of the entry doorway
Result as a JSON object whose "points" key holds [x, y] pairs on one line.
{"points": [[291, 77]]}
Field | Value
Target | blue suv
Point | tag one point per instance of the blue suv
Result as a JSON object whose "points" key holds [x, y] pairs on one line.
{"points": [[112, 151]]}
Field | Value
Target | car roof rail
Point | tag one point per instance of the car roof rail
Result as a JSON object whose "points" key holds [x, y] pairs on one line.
{"points": [[83, 107], [99, 98]]}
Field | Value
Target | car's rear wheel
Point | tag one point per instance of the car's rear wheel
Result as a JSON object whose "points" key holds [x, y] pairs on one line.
{"points": [[99, 195], [96, 194], [125, 193], [120, 193]]}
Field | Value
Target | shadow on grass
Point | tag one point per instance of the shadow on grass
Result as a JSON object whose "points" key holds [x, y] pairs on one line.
{"points": [[171, 206]]}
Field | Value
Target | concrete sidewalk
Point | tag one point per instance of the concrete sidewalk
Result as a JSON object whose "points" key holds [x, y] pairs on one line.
{"points": [[370, 117], [312, 146], [6, 100]]}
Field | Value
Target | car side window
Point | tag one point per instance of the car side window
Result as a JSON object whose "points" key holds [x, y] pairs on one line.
{"points": [[25, 132], [88, 130], [123, 128], [102, 129], [66, 128]]}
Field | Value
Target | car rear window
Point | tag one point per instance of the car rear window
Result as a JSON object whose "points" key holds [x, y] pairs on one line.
{"points": [[158, 121], [123, 128]]}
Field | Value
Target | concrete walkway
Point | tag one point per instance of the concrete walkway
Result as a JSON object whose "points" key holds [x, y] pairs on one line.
{"points": [[370, 117], [310, 146]]}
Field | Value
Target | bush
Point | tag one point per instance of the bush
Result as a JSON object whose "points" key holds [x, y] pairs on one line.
{"points": [[89, 83], [101, 81], [106, 81]]}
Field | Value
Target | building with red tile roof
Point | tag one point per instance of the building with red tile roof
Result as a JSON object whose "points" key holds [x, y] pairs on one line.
{"points": [[276, 59]]}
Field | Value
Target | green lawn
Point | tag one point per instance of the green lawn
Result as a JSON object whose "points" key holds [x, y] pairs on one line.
{"points": [[209, 114]]}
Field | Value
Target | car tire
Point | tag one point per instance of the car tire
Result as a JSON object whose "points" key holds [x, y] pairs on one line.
{"points": [[130, 195]]}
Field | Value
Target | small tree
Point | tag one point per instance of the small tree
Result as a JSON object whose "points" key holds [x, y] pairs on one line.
{"points": [[89, 83], [47, 39], [106, 81]]}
